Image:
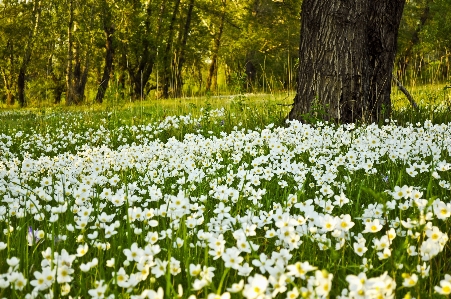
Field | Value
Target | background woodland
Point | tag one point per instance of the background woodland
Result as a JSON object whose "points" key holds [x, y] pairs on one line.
{"points": [[76, 52]]}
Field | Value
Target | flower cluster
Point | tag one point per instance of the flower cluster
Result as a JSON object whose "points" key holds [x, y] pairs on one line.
{"points": [[277, 212]]}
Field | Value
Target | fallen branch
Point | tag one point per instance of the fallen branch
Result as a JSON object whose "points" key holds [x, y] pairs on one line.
{"points": [[407, 94]]}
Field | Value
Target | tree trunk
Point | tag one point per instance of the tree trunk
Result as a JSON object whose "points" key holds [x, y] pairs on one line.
{"points": [[27, 56], [80, 76], [251, 71], [213, 70], [70, 42], [141, 70], [58, 85], [181, 53], [347, 52], [21, 85], [107, 70], [10, 98], [167, 53]]}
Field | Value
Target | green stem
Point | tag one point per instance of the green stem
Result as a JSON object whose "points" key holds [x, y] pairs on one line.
{"points": [[222, 281]]}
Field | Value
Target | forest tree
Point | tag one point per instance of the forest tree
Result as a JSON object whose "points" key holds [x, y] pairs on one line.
{"points": [[347, 52]]}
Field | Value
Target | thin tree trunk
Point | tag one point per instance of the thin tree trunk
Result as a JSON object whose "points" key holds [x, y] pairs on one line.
{"points": [[69, 75], [347, 52], [140, 72], [108, 68], [167, 53], [80, 76], [182, 48], [212, 71], [10, 98], [27, 56], [58, 82]]}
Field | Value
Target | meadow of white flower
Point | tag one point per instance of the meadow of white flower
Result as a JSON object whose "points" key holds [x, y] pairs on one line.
{"points": [[281, 212]]}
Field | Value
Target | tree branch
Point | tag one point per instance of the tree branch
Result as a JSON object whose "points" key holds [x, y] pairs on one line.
{"points": [[406, 93]]}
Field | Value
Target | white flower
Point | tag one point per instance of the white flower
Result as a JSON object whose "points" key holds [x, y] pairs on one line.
{"points": [[41, 282], [12, 262], [293, 294], [226, 295], [245, 270], [99, 291], [134, 253], [345, 223], [63, 274], [323, 283], [372, 226], [410, 280], [442, 210], [85, 267], [194, 270], [360, 248], [256, 287], [199, 284], [110, 262], [174, 266], [82, 250], [300, 269], [19, 281], [385, 254], [122, 278], [444, 288], [340, 200], [232, 258], [159, 269], [236, 287], [264, 263]]}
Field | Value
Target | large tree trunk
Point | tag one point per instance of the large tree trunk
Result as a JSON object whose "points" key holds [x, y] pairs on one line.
{"points": [[347, 52]]}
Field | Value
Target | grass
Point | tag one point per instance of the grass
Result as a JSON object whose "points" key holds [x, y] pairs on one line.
{"points": [[213, 198]]}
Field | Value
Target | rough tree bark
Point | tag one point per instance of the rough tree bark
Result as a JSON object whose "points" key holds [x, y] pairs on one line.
{"points": [[347, 53]]}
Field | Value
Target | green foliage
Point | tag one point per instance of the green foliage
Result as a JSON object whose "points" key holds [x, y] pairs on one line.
{"points": [[424, 43], [156, 44]]}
